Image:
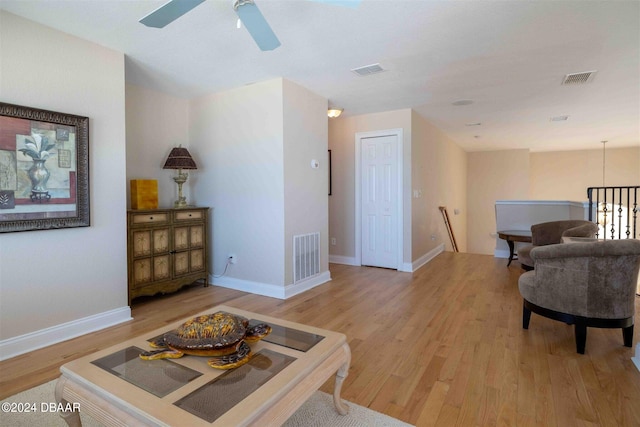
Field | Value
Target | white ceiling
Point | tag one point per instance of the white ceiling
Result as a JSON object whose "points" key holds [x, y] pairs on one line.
{"points": [[509, 57]]}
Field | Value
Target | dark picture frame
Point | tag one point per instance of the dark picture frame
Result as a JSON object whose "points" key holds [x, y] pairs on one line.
{"points": [[330, 173], [44, 169]]}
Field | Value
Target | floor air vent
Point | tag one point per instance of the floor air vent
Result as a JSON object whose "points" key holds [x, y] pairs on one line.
{"points": [[306, 256]]}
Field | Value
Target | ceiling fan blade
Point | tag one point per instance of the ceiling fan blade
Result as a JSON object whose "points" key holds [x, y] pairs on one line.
{"points": [[257, 26], [169, 12], [348, 3]]}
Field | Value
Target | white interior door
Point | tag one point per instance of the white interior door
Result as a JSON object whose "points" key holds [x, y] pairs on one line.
{"points": [[379, 201]]}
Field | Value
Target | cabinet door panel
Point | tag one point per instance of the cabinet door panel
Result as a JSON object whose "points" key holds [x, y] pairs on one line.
{"points": [[141, 243], [160, 240], [181, 263], [161, 268], [181, 238], [141, 271], [197, 260], [197, 236]]}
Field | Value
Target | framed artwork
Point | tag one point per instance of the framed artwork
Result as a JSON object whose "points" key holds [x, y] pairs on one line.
{"points": [[330, 173], [44, 169]]}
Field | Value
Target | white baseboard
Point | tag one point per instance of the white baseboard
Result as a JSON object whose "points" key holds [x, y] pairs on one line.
{"points": [[339, 259], [305, 285], [268, 289], [426, 257], [15, 346], [636, 359], [405, 266], [501, 253]]}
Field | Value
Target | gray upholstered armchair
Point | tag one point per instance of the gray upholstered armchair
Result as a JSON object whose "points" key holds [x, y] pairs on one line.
{"points": [[550, 233], [587, 284]]}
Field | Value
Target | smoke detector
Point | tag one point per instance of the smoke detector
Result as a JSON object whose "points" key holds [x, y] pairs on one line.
{"points": [[579, 78]]}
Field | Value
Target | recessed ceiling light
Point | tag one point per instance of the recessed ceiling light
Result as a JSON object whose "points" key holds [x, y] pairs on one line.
{"points": [[559, 118], [473, 124], [462, 102]]}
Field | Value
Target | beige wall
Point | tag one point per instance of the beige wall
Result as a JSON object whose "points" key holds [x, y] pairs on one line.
{"points": [[435, 170], [305, 188], [566, 175], [155, 124], [342, 132], [65, 278], [520, 175], [439, 175], [237, 137], [492, 175], [254, 147]]}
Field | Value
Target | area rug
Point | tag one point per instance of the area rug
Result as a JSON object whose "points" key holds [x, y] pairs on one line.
{"points": [[318, 411]]}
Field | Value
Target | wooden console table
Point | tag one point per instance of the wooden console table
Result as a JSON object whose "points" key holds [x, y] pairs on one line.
{"points": [[167, 249], [512, 236]]}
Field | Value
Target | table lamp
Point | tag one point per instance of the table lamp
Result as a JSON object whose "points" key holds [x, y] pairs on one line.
{"points": [[179, 158]]}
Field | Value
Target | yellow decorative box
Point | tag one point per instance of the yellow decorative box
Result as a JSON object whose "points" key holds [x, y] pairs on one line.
{"points": [[144, 194]]}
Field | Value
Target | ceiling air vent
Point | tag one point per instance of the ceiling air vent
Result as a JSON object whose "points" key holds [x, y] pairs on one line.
{"points": [[579, 78], [368, 70]]}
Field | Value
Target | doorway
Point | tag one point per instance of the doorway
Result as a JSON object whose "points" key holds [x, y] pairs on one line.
{"points": [[379, 213]]}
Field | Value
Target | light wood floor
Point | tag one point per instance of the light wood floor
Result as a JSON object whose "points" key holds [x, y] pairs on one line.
{"points": [[443, 346]]}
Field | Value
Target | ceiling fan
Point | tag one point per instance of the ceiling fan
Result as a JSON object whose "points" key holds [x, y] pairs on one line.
{"points": [[247, 11]]}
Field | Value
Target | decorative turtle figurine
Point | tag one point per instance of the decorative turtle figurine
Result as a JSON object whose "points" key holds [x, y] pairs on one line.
{"points": [[221, 335]]}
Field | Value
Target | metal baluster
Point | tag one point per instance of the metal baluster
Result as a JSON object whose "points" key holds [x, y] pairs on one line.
{"points": [[598, 212], [613, 220], [627, 210], [635, 211], [628, 232], [604, 214]]}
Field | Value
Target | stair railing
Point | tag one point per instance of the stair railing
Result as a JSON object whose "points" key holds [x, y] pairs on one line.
{"points": [[616, 211]]}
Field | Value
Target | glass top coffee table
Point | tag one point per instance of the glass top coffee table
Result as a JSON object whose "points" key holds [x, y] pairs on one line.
{"points": [[116, 387]]}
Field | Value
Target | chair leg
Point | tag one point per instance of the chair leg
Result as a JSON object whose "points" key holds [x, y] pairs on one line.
{"points": [[581, 335], [526, 316], [627, 335]]}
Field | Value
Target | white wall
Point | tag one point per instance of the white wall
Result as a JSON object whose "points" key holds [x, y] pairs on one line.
{"points": [[522, 214], [155, 124], [66, 276]]}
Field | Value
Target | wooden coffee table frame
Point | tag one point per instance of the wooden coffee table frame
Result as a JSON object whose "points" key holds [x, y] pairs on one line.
{"points": [[113, 401], [512, 236]]}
